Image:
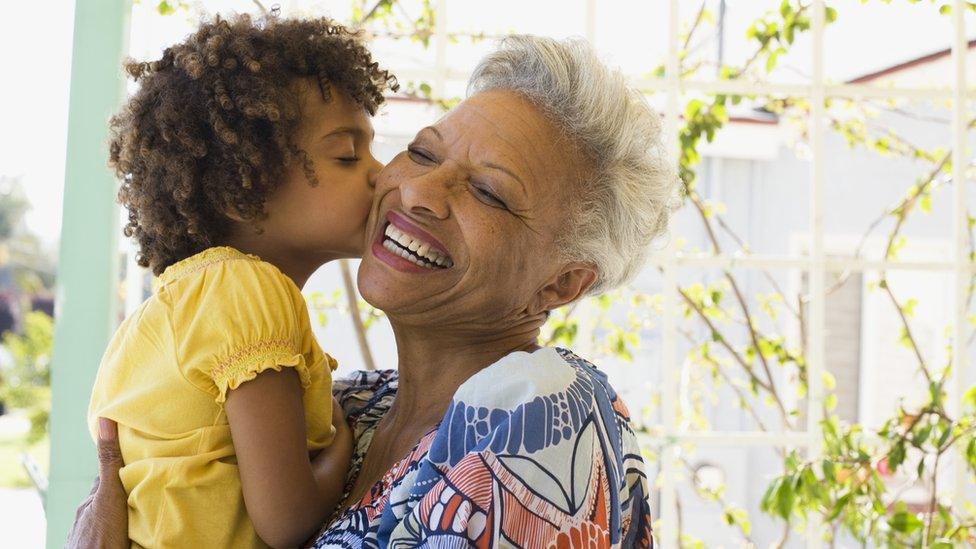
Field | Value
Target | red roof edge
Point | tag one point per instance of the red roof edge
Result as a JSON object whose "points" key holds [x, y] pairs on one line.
{"points": [[906, 65]]}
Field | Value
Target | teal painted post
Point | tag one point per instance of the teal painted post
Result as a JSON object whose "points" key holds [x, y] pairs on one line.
{"points": [[87, 281]]}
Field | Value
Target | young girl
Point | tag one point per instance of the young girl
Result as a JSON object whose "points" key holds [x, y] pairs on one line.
{"points": [[245, 165]]}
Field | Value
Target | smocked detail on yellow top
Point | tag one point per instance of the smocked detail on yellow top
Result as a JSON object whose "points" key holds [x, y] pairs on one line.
{"points": [[200, 261], [217, 320], [255, 351], [246, 364]]}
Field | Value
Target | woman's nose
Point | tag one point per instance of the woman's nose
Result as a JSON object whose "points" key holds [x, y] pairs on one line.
{"points": [[428, 194]]}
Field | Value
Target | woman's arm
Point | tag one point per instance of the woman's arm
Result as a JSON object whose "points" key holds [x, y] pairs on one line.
{"points": [[102, 520], [286, 499]]}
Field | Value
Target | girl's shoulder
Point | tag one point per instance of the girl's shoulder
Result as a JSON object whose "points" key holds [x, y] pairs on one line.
{"points": [[223, 284], [215, 264], [232, 315]]}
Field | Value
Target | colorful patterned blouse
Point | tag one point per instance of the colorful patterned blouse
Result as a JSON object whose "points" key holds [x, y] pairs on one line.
{"points": [[535, 450]]}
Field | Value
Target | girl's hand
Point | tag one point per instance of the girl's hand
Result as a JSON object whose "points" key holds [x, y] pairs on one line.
{"points": [[343, 435], [331, 465], [102, 520]]}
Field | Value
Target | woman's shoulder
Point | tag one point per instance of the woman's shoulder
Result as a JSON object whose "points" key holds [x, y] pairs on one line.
{"points": [[362, 382], [547, 426], [517, 378], [532, 403], [547, 373]]}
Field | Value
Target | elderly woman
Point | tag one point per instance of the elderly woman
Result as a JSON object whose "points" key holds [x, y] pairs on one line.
{"points": [[547, 184]]}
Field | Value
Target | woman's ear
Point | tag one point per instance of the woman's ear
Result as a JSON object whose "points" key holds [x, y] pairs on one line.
{"points": [[570, 284]]}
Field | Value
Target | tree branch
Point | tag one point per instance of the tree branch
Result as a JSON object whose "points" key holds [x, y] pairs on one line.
{"points": [[694, 26], [728, 347], [770, 385], [354, 313], [728, 380]]}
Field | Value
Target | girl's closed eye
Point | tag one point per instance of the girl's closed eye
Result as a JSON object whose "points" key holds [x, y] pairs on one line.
{"points": [[341, 146], [346, 154]]}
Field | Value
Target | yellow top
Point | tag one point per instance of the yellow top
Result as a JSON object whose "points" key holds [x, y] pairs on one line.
{"points": [[217, 320]]}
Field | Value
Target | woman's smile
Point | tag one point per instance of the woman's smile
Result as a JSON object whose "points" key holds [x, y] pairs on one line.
{"points": [[408, 248]]}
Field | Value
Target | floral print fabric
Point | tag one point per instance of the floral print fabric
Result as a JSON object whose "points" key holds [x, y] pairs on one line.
{"points": [[535, 450]]}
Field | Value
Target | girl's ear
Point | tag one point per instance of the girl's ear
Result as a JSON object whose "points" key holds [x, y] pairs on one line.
{"points": [[234, 215], [570, 284]]}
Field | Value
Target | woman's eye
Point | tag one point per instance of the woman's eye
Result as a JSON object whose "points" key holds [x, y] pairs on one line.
{"points": [[420, 156], [489, 197], [348, 159]]}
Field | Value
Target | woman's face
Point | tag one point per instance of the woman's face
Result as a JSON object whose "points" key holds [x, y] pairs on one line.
{"points": [[464, 222]]}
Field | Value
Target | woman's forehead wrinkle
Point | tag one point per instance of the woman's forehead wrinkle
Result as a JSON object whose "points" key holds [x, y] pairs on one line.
{"points": [[517, 134], [505, 129]]}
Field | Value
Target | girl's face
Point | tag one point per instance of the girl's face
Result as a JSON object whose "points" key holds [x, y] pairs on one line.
{"points": [[326, 221]]}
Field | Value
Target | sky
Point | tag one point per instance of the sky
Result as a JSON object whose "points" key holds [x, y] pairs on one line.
{"points": [[35, 58]]}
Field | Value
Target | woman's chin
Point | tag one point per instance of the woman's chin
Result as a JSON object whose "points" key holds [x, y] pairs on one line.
{"points": [[383, 289]]}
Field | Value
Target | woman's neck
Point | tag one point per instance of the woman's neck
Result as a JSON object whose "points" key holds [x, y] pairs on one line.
{"points": [[434, 362]]}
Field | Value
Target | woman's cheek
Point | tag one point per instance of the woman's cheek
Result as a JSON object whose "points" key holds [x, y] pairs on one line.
{"points": [[486, 239], [400, 169]]}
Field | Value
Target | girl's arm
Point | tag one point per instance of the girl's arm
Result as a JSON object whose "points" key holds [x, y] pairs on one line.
{"points": [[331, 465], [286, 500]]}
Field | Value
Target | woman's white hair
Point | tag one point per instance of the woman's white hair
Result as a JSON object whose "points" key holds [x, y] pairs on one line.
{"points": [[626, 201]]}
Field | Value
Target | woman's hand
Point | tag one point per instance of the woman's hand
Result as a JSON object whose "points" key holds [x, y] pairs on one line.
{"points": [[102, 519]]}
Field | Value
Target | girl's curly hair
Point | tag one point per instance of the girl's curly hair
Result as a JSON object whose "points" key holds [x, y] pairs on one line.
{"points": [[210, 129]]}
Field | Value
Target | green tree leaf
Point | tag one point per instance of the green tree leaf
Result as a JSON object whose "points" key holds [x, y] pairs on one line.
{"points": [[897, 455], [905, 522], [165, 8]]}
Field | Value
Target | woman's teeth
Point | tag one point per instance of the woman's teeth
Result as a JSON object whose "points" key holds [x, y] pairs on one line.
{"points": [[414, 250]]}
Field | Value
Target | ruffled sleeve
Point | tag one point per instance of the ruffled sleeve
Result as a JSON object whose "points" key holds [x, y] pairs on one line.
{"points": [[237, 318], [251, 360]]}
